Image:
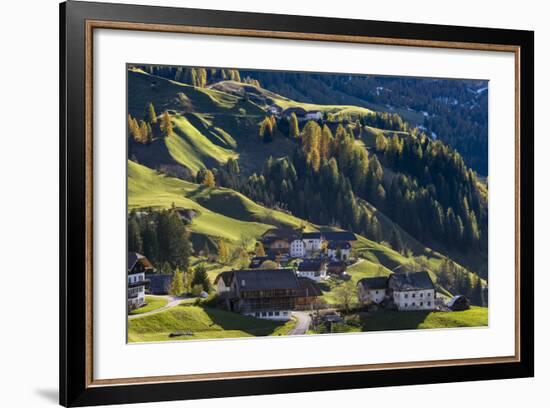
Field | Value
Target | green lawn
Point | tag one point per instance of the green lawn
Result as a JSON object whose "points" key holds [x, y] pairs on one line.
{"points": [[389, 320], [152, 303], [203, 323]]}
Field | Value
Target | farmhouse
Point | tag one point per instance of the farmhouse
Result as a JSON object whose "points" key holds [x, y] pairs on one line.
{"points": [[223, 283], [138, 265], [339, 250], [264, 293], [308, 294], [313, 241], [412, 290], [275, 110], [277, 240], [336, 267], [297, 248], [314, 269], [314, 115], [298, 111], [372, 290]]}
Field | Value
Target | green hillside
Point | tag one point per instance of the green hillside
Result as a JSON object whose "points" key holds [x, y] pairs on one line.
{"points": [[200, 323]]}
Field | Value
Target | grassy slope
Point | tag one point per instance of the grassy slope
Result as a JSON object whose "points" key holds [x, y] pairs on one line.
{"points": [[475, 317], [153, 303], [223, 212], [203, 322]]}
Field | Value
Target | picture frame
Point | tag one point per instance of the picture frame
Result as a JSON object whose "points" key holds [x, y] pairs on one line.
{"points": [[78, 20]]}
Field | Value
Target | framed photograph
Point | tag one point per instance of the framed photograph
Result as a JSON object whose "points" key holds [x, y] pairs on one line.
{"points": [[257, 204]]}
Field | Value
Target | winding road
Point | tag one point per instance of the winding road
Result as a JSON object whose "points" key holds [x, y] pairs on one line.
{"points": [[172, 302], [302, 324]]}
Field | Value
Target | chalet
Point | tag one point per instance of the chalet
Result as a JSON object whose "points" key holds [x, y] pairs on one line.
{"points": [[297, 110], [275, 110], [372, 290], [159, 284], [314, 269], [336, 267], [297, 248], [412, 290], [138, 265], [264, 293], [314, 115], [313, 241], [339, 250], [223, 283], [277, 240], [309, 293]]}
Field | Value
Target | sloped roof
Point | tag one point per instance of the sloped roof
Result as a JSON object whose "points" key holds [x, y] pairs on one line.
{"points": [[308, 288], [265, 279], [339, 236], [411, 281], [311, 235], [134, 257], [339, 244], [225, 276], [377, 282], [280, 233], [310, 265]]}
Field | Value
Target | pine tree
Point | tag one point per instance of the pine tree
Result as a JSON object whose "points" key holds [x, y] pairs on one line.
{"points": [[176, 287], [294, 128], [166, 124], [150, 114], [209, 179], [200, 277], [150, 242], [134, 236], [259, 250], [223, 252]]}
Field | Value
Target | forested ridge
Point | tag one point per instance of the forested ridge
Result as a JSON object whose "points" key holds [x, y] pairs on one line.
{"points": [[372, 172]]}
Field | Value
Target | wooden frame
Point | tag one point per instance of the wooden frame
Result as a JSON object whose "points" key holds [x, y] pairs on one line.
{"points": [[78, 20]]}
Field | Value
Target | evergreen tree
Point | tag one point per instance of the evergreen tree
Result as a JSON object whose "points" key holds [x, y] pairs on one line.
{"points": [[134, 236], [209, 179], [200, 277], [150, 114], [176, 287], [150, 242], [294, 128], [166, 124], [173, 239]]}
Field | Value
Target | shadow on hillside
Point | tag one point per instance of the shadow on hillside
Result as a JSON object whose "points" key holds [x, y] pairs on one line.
{"points": [[235, 321], [392, 320]]}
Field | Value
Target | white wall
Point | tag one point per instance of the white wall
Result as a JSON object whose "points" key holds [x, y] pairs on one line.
{"points": [[29, 180]]}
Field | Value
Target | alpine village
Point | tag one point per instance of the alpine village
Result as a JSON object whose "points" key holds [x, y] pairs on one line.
{"points": [[267, 203]]}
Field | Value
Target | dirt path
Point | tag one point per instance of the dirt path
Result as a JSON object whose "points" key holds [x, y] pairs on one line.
{"points": [[172, 302], [302, 324]]}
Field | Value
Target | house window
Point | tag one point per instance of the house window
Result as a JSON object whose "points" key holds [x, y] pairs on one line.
{"points": [[270, 313], [263, 314], [406, 304], [429, 303], [421, 303], [422, 295], [377, 292], [276, 313], [413, 304], [429, 294], [406, 295], [414, 295]]}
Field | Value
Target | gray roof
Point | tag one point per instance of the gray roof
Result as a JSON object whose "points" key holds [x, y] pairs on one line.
{"points": [[378, 282], [339, 245], [159, 283], [339, 236], [265, 279], [311, 265], [311, 235], [411, 281]]}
